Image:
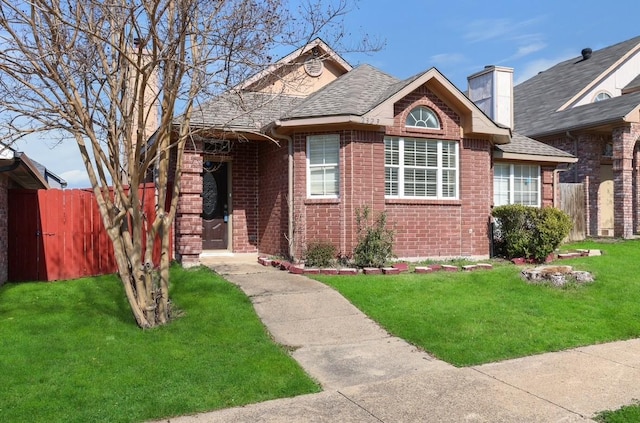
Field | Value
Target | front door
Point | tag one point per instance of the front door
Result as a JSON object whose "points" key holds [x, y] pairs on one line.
{"points": [[215, 210]]}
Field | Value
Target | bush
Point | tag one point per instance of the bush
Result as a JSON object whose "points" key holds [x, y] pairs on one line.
{"points": [[375, 240], [529, 232], [320, 254]]}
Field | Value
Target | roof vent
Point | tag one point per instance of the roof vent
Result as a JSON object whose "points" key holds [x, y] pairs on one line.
{"points": [[313, 67], [586, 53]]}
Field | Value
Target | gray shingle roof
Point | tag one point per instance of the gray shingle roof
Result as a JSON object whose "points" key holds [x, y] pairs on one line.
{"points": [[524, 145], [537, 99], [354, 93], [588, 115], [243, 110]]}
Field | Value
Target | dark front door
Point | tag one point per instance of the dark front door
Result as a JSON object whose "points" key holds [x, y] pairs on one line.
{"points": [[214, 206]]}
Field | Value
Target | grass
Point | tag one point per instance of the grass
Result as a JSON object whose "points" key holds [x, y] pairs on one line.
{"points": [[626, 414], [70, 351], [484, 316]]}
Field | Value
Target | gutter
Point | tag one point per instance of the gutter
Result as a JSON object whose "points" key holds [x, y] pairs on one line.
{"points": [[14, 165]]}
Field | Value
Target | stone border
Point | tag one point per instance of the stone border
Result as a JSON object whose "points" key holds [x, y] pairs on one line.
{"points": [[395, 269]]}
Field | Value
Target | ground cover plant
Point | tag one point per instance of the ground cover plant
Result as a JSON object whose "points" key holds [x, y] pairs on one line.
{"points": [[71, 352], [469, 318], [626, 414]]}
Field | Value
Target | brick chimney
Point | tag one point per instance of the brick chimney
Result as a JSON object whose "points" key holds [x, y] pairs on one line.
{"points": [[491, 90]]}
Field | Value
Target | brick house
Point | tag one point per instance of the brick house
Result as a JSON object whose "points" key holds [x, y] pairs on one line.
{"points": [[589, 106], [18, 171], [288, 157]]}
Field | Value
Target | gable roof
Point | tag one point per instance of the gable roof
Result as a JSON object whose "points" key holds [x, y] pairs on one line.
{"points": [[242, 110], [354, 93], [367, 96], [537, 101]]}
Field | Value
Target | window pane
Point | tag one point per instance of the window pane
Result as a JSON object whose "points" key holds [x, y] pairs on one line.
{"points": [[449, 183], [422, 117], [391, 152], [391, 181], [323, 156], [317, 181], [432, 154]]}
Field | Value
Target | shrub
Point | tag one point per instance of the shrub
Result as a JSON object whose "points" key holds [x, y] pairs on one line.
{"points": [[320, 254], [529, 232], [375, 240]]}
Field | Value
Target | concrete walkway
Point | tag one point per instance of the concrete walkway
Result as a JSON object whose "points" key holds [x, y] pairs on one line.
{"points": [[370, 376]]}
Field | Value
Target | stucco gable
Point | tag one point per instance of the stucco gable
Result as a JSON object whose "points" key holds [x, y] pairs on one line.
{"points": [[300, 73]]}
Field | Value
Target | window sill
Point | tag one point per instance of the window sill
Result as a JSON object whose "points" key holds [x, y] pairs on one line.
{"points": [[322, 201], [425, 202]]}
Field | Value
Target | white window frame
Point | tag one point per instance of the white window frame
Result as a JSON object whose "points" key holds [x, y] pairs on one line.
{"points": [[418, 113], [601, 96], [440, 169], [512, 182], [325, 165]]}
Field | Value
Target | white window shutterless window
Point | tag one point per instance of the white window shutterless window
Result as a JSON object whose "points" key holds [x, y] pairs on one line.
{"points": [[417, 168], [323, 170], [516, 184]]}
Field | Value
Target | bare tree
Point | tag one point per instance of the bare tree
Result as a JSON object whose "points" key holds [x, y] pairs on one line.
{"points": [[114, 74]]}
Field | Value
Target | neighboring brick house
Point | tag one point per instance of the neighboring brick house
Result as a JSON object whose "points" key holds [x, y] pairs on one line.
{"points": [[589, 106], [290, 155], [17, 171]]}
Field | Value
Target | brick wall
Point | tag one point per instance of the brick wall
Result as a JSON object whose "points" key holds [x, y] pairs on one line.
{"points": [[273, 185], [244, 199], [589, 147], [188, 224], [424, 228], [4, 230], [624, 148]]}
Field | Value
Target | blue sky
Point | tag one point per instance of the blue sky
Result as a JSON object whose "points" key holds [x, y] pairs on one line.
{"points": [[458, 37]]}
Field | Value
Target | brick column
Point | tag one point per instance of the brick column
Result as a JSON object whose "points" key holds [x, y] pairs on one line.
{"points": [[624, 140], [189, 214]]}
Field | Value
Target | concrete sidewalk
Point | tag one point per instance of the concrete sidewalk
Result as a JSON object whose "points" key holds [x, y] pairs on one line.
{"points": [[370, 376]]}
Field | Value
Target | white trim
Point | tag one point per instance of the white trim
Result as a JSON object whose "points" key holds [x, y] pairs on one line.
{"points": [[511, 192], [310, 138], [439, 168]]}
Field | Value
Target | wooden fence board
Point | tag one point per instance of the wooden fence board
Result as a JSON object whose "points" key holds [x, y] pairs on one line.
{"points": [[572, 202], [58, 234]]}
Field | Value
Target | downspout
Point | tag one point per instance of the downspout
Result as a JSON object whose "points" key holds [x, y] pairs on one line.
{"points": [[290, 232]]}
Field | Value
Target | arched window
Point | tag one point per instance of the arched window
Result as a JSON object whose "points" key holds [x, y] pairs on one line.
{"points": [[423, 117], [602, 95]]}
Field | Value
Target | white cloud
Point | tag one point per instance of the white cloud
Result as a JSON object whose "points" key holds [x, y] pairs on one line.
{"points": [[445, 59], [76, 178], [528, 49], [534, 67], [487, 29]]}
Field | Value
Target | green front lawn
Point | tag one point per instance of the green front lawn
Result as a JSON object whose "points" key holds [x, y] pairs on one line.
{"points": [[484, 316], [71, 352]]}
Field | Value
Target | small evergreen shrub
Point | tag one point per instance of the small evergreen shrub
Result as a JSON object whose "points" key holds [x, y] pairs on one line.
{"points": [[529, 232], [375, 240], [320, 254]]}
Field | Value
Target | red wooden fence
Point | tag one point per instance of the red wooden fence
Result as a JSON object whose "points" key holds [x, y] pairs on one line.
{"points": [[58, 234]]}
